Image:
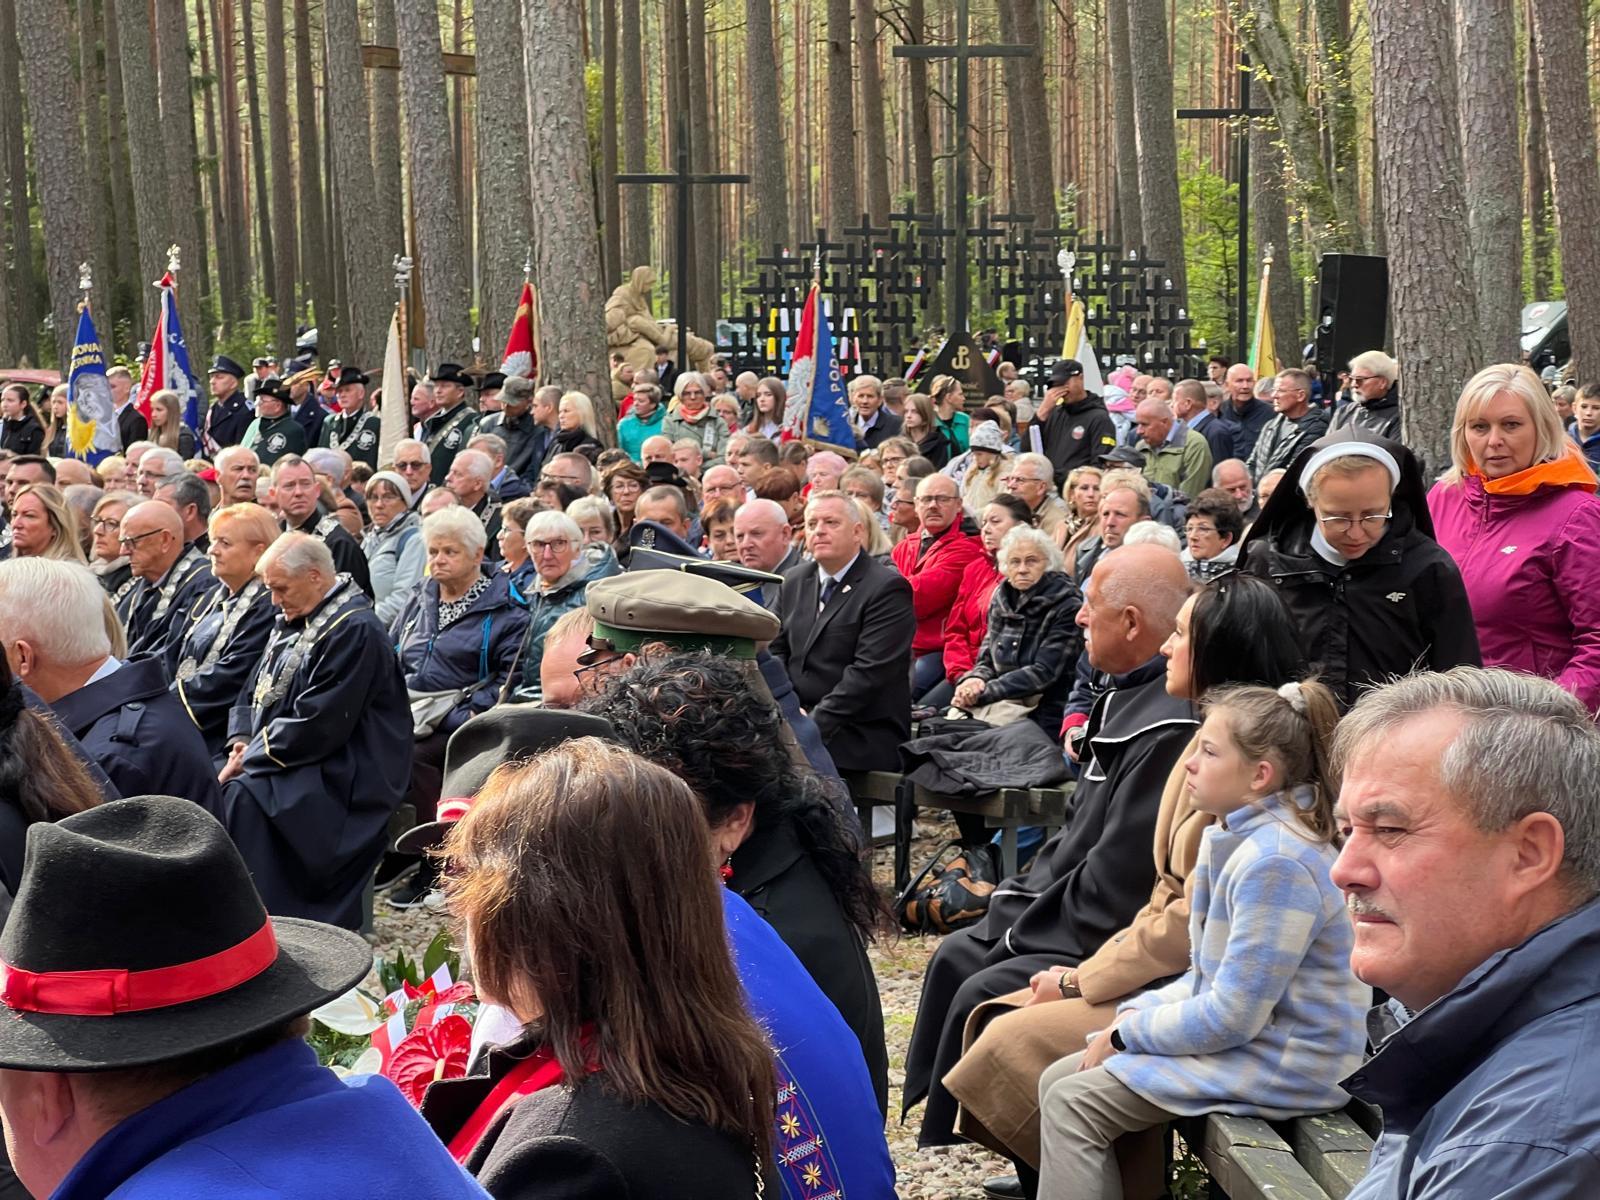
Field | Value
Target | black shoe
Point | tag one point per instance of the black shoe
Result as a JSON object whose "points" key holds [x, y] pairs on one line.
{"points": [[393, 869], [1003, 1187], [412, 892]]}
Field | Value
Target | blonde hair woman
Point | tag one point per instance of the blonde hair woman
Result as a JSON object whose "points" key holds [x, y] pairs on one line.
{"points": [[166, 423], [1517, 511], [43, 525]]}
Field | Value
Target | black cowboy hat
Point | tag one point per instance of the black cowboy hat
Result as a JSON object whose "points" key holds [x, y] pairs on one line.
{"points": [[273, 388], [348, 373], [503, 734], [451, 373], [137, 938]]}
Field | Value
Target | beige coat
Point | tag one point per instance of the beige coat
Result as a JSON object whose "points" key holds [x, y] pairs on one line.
{"points": [[1009, 1046]]}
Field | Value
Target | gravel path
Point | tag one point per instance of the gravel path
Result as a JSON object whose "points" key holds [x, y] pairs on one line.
{"points": [[944, 1173]]}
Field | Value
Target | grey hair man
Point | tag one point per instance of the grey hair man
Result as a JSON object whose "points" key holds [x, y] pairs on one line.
{"points": [[1032, 480], [157, 464], [188, 496], [1470, 866]]}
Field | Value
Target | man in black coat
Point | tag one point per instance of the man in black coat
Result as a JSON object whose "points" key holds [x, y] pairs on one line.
{"points": [[229, 414], [451, 421], [1245, 415], [355, 427], [131, 425], [320, 742], [1088, 880], [1074, 426], [846, 640], [873, 423], [171, 577], [300, 501], [55, 638]]}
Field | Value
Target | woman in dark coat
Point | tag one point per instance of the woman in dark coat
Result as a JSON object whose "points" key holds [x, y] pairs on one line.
{"points": [[1348, 542], [590, 901], [21, 431], [790, 853]]}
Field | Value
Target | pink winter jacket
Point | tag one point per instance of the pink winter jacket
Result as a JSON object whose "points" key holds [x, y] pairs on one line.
{"points": [[1531, 565]]}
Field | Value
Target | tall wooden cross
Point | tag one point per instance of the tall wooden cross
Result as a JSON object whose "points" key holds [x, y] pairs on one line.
{"points": [[682, 181], [963, 52], [1242, 169]]}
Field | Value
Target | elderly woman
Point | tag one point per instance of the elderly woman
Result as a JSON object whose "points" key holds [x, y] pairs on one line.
{"points": [[513, 544], [1348, 542], [562, 577], [1030, 650], [108, 559], [457, 639], [968, 621], [1517, 512], [1214, 529], [393, 545], [1234, 631], [624, 484], [576, 876], [595, 519], [691, 417], [219, 646], [1375, 396], [43, 525]]}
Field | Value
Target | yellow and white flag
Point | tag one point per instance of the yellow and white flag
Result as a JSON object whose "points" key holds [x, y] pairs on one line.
{"points": [[395, 418], [1076, 345], [1263, 347]]}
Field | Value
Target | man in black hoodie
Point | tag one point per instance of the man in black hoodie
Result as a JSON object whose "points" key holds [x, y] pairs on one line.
{"points": [[1074, 426]]}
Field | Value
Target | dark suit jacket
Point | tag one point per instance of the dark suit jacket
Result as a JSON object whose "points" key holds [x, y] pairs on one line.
{"points": [[131, 425], [851, 662], [885, 427]]}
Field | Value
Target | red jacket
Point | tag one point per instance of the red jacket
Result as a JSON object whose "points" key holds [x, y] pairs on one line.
{"points": [[969, 617], [935, 580]]}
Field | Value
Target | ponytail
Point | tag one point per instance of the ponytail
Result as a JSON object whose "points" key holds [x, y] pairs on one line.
{"points": [[1292, 726]]}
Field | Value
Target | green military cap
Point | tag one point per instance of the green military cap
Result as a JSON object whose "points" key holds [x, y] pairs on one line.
{"points": [[687, 612]]}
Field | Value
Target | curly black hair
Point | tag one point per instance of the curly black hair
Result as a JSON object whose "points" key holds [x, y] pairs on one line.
{"points": [[700, 716]]}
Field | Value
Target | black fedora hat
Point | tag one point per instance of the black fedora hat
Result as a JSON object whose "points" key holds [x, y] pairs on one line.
{"points": [[492, 381], [348, 373], [137, 938], [451, 373], [273, 388], [503, 734]]}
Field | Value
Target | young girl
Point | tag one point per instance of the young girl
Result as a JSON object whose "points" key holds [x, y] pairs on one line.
{"points": [[1269, 1017]]}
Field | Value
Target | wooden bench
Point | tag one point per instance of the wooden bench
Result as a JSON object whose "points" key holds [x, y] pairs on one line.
{"points": [[1309, 1158]]}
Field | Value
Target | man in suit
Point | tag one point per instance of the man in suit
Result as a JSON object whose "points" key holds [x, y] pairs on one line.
{"points": [[131, 425], [874, 424], [846, 639], [765, 542]]}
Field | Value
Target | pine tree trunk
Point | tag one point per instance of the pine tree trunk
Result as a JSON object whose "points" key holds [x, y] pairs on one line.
{"points": [[1019, 79], [1424, 205], [365, 256], [313, 236], [180, 164], [636, 197], [1036, 128], [285, 230], [843, 209], [874, 132], [704, 245], [441, 251], [232, 166], [1269, 213], [1340, 116], [503, 163], [1485, 32], [25, 306], [152, 197], [766, 113], [610, 158], [566, 250], [64, 196], [1124, 137], [223, 217], [1536, 170], [1161, 214], [389, 196], [101, 209], [258, 153], [921, 118]]}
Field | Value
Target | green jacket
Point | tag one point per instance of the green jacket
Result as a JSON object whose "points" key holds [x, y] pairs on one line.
{"points": [[1182, 464]]}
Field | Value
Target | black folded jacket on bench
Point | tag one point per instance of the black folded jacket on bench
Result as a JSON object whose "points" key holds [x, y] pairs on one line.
{"points": [[959, 761]]}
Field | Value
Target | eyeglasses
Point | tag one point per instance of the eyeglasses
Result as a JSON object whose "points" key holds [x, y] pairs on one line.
{"points": [[1193, 530], [1019, 479], [105, 524], [550, 546], [137, 538], [143, 474], [411, 466], [938, 499], [1369, 523], [1358, 380], [569, 480]]}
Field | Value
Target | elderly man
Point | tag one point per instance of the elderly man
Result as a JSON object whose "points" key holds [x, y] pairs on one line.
{"points": [[721, 483], [765, 542], [274, 432], [1090, 878], [52, 624], [155, 466], [1073, 425], [1031, 479], [1470, 866], [171, 574], [845, 641], [451, 421], [527, 439], [237, 472], [300, 502], [1375, 387], [126, 1092], [666, 506], [1174, 454], [505, 483], [1242, 412], [228, 415], [355, 427], [824, 470], [643, 421], [933, 563], [873, 424], [412, 463], [1233, 477], [321, 743], [571, 468], [188, 496], [560, 685], [1190, 405], [655, 449], [489, 393], [1295, 427], [469, 478]]}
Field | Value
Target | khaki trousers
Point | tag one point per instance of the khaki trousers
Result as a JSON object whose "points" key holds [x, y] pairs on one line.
{"points": [[1081, 1115]]}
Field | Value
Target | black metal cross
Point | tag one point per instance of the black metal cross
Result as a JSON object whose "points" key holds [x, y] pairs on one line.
{"points": [[1242, 158], [682, 180], [963, 52]]}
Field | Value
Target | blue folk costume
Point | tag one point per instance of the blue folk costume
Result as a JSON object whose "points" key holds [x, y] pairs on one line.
{"points": [[214, 653], [149, 611], [329, 726]]}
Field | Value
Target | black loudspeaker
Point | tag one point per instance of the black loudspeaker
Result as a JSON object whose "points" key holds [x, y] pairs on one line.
{"points": [[1352, 308]]}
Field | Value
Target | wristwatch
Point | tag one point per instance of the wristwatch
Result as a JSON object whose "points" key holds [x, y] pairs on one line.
{"points": [[1067, 984], [1117, 1043]]}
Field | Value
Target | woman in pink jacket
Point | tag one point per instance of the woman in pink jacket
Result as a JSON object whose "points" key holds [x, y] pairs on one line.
{"points": [[1518, 513]]}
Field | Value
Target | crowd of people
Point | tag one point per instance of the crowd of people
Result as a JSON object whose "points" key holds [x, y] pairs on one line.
{"points": [[613, 699]]}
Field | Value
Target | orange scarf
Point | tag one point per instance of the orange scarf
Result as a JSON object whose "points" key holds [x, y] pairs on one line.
{"points": [[1570, 470]]}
